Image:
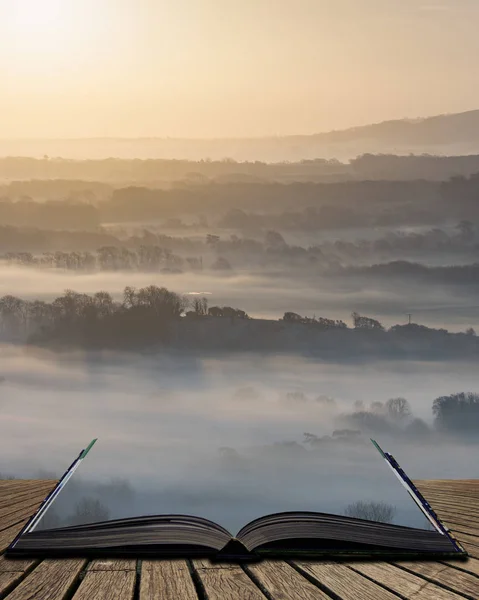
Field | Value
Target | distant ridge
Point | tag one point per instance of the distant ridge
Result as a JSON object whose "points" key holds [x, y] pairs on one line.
{"points": [[439, 129], [446, 134]]}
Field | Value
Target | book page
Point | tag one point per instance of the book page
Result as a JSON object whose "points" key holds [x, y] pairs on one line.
{"points": [[233, 487]]}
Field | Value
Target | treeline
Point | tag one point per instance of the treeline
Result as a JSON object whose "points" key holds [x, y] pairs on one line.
{"points": [[366, 166], [456, 413], [152, 252], [161, 170], [368, 202], [143, 317], [153, 315], [450, 275], [109, 258], [372, 201], [307, 206], [51, 214]]}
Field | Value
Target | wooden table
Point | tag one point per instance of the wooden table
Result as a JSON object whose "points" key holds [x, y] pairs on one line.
{"points": [[457, 502]]}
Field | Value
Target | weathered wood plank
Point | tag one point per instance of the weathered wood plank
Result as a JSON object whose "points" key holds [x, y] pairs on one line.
{"points": [[458, 510], [8, 581], [449, 497], [470, 507], [229, 582], [401, 582], [467, 494], [9, 565], [30, 485], [472, 551], [460, 516], [283, 582], [6, 499], [471, 565], [51, 580], [447, 576], [7, 535], [344, 583], [468, 497], [17, 516], [112, 565], [465, 537], [459, 526], [166, 580], [12, 572], [107, 585], [14, 507]]}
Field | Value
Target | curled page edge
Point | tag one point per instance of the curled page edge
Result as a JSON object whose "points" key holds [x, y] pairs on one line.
{"points": [[418, 498], [49, 499]]}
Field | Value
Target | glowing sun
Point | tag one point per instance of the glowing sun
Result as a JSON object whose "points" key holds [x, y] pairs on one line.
{"points": [[37, 17]]}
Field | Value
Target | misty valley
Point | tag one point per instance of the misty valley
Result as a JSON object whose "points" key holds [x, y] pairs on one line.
{"points": [[224, 328]]}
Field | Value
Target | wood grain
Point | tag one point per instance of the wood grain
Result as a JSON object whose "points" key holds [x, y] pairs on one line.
{"points": [[7, 535], [465, 537], [471, 565], [112, 565], [29, 504], [401, 582], [227, 582], [107, 585], [472, 551], [345, 583], [445, 575], [8, 581], [456, 502], [36, 495], [12, 572], [8, 565], [283, 582], [449, 500], [51, 580], [166, 580]]}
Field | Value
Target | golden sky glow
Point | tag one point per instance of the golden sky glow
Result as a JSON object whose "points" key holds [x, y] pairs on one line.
{"points": [[219, 68]]}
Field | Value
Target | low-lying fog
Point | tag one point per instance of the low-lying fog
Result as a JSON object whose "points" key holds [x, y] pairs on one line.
{"points": [[269, 296], [224, 437]]}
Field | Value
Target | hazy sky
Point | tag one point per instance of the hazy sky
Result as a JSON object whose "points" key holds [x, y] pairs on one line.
{"points": [[218, 68]]}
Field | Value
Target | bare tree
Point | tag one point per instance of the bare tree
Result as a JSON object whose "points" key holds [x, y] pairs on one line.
{"points": [[89, 510], [371, 511], [398, 409]]}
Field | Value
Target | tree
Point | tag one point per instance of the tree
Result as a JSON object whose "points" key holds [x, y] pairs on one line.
{"points": [[366, 322], [371, 511], [89, 510], [274, 240], [200, 306], [212, 240], [457, 412], [291, 317], [398, 409], [221, 264]]}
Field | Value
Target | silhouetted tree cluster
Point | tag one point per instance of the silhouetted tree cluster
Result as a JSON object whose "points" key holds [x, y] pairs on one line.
{"points": [[227, 311], [50, 214], [366, 322], [457, 413], [320, 322], [89, 510], [108, 258], [452, 275], [143, 317]]}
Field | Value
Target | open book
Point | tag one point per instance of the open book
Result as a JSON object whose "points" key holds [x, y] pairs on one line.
{"points": [[303, 533]]}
